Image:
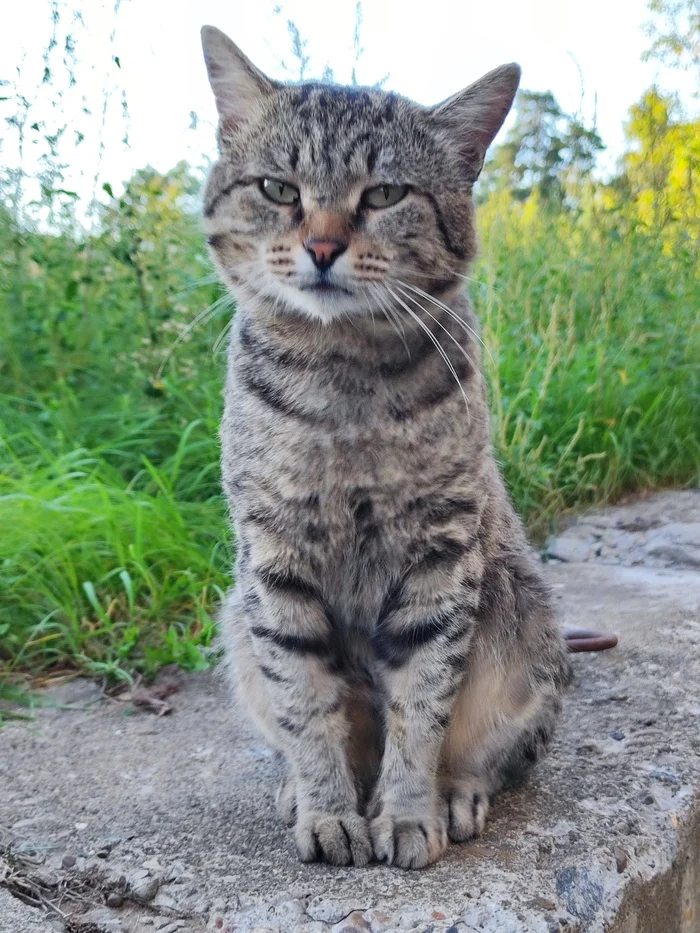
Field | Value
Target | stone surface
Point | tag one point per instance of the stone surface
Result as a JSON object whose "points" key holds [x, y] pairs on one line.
{"points": [[659, 531], [605, 836]]}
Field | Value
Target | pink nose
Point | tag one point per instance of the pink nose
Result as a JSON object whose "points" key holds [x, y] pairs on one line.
{"points": [[324, 252]]}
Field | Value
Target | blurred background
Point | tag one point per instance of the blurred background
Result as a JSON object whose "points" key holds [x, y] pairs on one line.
{"points": [[113, 541]]}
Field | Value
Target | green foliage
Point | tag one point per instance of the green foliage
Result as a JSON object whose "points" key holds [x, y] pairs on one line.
{"points": [[659, 187], [594, 358]]}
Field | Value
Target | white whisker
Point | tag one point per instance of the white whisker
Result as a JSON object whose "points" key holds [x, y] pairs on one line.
{"points": [[392, 318], [439, 273], [441, 325], [435, 341], [453, 314], [202, 316]]}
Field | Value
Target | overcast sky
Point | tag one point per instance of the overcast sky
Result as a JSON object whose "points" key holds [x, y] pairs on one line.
{"points": [[428, 49]]}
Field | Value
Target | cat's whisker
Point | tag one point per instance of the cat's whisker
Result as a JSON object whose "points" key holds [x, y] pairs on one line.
{"points": [[442, 326], [453, 314], [203, 316], [222, 336], [392, 318], [473, 281], [409, 270], [436, 342], [202, 282]]}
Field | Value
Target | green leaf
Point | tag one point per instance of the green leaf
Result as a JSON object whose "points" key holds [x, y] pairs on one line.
{"points": [[89, 590], [108, 188]]}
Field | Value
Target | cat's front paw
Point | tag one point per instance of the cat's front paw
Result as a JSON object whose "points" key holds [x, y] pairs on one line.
{"points": [[327, 837], [467, 802], [408, 841]]}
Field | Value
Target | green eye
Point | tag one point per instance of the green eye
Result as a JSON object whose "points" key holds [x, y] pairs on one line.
{"points": [[384, 195], [279, 191]]}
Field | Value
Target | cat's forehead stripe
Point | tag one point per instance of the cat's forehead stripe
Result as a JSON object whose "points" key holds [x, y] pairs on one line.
{"points": [[331, 128]]}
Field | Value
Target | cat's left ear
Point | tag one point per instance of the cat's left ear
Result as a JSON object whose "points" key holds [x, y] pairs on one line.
{"points": [[239, 87], [476, 114]]}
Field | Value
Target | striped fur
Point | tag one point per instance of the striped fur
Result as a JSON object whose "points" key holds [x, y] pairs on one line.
{"points": [[389, 630]]}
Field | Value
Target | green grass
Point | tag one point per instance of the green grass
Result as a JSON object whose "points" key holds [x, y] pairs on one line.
{"points": [[114, 549], [594, 366], [109, 562]]}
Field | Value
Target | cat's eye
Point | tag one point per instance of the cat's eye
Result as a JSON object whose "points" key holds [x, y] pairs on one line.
{"points": [[279, 191], [384, 195]]}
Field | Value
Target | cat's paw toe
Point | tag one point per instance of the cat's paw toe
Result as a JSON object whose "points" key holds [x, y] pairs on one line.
{"points": [[408, 842], [286, 801], [340, 840], [468, 806]]}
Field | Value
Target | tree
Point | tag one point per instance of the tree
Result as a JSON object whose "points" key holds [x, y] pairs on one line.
{"points": [[675, 34], [660, 182], [545, 151]]}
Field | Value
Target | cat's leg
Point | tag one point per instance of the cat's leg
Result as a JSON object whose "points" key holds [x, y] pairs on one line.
{"points": [[421, 643], [287, 675], [493, 740], [509, 701]]}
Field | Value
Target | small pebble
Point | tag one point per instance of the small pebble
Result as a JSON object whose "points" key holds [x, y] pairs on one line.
{"points": [[545, 903], [379, 919], [145, 890], [164, 900], [620, 859], [114, 899], [617, 735], [354, 922], [68, 861], [481, 851]]}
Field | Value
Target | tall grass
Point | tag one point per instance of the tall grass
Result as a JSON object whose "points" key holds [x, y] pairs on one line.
{"points": [[594, 365], [114, 549]]}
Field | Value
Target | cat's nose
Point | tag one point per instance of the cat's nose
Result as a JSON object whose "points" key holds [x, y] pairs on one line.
{"points": [[324, 252]]}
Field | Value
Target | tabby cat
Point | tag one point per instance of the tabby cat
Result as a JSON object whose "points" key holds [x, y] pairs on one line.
{"points": [[389, 630]]}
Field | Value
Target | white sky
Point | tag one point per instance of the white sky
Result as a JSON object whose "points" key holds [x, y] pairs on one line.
{"points": [[429, 50]]}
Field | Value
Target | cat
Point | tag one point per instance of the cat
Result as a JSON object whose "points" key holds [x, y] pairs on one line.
{"points": [[389, 630]]}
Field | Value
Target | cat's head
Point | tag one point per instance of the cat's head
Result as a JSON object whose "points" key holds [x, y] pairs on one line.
{"points": [[327, 200]]}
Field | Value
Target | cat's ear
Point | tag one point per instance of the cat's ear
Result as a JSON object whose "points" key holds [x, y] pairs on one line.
{"points": [[476, 114], [238, 86]]}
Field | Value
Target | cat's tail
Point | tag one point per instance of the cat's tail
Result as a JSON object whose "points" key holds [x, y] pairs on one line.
{"points": [[579, 639]]}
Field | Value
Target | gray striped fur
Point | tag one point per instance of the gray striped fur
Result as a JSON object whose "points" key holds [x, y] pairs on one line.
{"points": [[389, 629]]}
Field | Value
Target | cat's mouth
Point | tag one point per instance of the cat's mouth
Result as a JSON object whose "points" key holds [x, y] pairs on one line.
{"points": [[324, 287]]}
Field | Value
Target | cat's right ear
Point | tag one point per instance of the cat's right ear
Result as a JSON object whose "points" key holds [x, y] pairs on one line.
{"points": [[475, 115], [239, 87]]}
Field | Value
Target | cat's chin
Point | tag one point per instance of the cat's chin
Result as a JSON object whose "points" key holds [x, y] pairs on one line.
{"points": [[326, 304]]}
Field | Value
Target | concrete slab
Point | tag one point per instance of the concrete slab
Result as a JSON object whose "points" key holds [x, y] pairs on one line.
{"points": [[172, 818]]}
